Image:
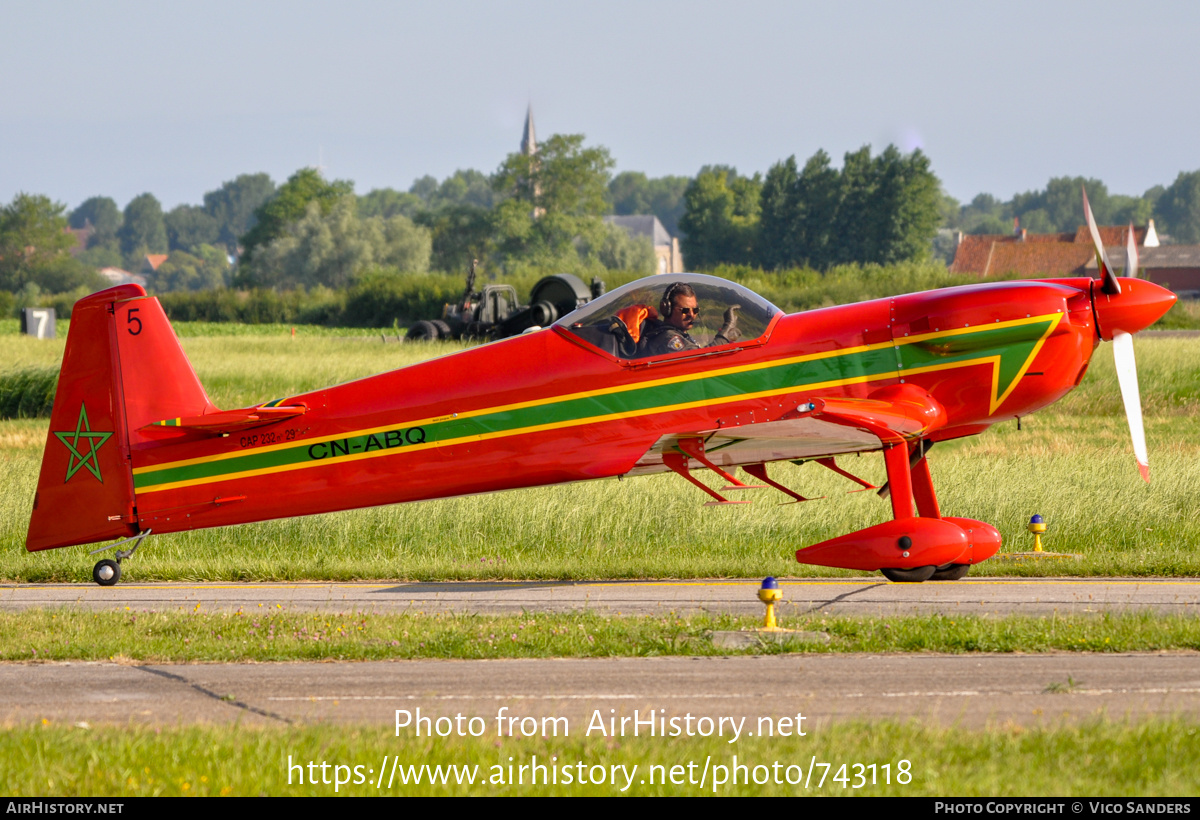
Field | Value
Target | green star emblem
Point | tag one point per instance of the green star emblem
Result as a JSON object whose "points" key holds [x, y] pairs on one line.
{"points": [[95, 440]]}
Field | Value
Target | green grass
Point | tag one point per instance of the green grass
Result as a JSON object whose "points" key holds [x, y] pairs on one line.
{"points": [[1183, 315], [28, 393], [1097, 759], [266, 633], [1072, 464]]}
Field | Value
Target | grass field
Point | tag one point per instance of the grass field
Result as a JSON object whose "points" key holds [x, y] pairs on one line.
{"points": [[1072, 464], [268, 635], [1102, 758]]}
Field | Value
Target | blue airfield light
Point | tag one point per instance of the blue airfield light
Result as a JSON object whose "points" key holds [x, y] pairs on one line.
{"points": [[769, 593]]}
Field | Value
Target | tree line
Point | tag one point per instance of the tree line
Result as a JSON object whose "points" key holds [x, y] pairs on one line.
{"points": [[873, 210], [543, 213], [540, 212], [1059, 208]]}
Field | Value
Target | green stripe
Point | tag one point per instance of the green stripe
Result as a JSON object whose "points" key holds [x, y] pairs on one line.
{"points": [[1012, 344]]}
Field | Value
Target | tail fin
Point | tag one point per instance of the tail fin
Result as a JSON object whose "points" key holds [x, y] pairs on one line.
{"points": [[123, 368]]}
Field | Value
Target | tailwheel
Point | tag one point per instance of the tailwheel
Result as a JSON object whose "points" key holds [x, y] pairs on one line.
{"points": [[908, 576], [951, 572], [106, 572]]}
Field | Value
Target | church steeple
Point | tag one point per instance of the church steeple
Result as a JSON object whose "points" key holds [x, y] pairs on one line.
{"points": [[529, 139]]}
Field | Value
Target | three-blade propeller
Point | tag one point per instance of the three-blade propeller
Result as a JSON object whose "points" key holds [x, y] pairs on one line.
{"points": [[1122, 341]]}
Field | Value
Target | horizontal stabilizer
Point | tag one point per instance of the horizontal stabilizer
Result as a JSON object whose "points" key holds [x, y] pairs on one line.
{"points": [[230, 421]]}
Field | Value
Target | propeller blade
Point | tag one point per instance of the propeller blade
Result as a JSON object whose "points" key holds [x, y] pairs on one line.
{"points": [[1111, 286], [1131, 255], [1127, 378]]}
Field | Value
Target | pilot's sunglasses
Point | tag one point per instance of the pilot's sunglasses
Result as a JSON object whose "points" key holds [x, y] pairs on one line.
{"points": [[689, 311]]}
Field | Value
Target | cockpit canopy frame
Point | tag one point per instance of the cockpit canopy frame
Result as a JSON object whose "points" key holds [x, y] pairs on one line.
{"points": [[639, 304]]}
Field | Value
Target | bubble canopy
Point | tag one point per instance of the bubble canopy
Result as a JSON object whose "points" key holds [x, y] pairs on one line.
{"points": [[594, 321]]}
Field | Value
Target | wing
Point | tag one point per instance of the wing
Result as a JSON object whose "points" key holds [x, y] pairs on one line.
{"points": [[817, 427]]}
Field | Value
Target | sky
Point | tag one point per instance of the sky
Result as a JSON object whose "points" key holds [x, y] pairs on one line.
{"points": [[121, 98]]}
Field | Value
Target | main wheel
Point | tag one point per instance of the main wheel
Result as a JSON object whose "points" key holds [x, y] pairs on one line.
{"points": [[443, 329], [908, 576], [106, 572], [422, 332], [951, 572]]}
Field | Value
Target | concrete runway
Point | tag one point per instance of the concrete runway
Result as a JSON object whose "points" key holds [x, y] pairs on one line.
{"points": [[969, 690], [854, 596]]}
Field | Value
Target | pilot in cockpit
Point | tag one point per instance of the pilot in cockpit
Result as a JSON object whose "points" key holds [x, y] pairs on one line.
{"points": [[653, 318], [679, 310]]}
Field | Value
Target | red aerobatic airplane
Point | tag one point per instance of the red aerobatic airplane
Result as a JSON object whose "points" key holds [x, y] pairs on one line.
{"points": [[136, 446]]}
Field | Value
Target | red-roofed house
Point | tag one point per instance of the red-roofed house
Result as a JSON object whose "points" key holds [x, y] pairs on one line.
{"points": [[152, 263], [1040, 255]]}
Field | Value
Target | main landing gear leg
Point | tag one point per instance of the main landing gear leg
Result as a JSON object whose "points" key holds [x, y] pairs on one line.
{"points": [[902, 491], [908, 482], [108, 571], [927, 507]]}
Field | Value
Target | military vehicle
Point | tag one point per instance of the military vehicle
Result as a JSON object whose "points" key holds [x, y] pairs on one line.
{"points": [[495, 312]]}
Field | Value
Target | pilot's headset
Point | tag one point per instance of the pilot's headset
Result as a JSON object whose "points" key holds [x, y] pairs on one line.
{"points": [[668, 300]]}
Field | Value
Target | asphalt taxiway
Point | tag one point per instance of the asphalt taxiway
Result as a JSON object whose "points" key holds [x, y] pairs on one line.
{"points": [[967, 690], [846, 596]]}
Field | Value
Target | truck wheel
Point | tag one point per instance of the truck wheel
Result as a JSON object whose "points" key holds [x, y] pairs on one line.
{"points": [[422, 332], [563, 290], [543, 313]]}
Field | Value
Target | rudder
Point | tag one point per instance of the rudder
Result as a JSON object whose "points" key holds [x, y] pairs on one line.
{"points": [[122, 368]]}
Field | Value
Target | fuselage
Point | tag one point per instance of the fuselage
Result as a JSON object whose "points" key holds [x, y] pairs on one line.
{"points": [[548, 407]]}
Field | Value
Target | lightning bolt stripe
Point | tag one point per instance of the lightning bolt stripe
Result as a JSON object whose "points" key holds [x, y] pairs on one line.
{"points": [[1009, 347]]}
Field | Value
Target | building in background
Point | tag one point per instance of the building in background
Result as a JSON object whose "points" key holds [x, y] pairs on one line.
{"points": [[529, 149], [1040, 255], [666, 247], [151, 264], [83, 237], [1175, 267]]}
